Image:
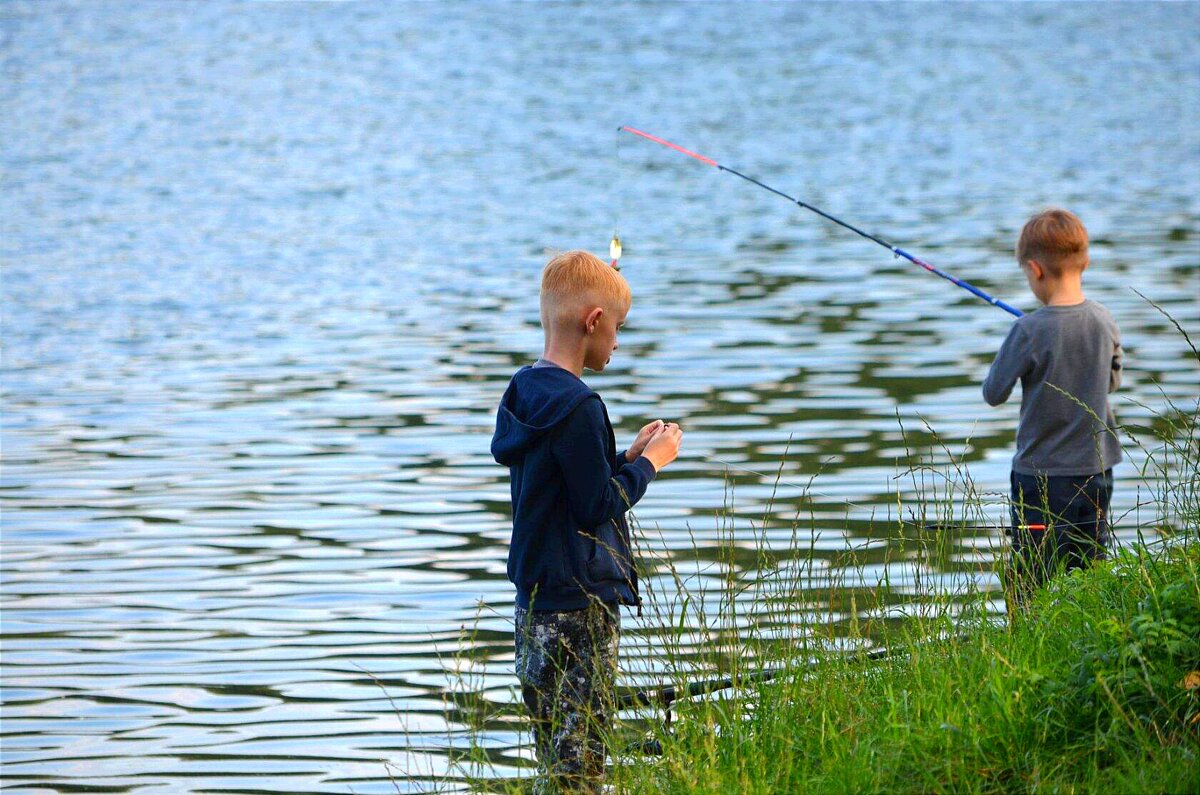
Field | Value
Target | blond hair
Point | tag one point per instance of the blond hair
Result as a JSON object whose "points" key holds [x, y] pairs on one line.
{"points": [[1057, 239], [576, 279]]}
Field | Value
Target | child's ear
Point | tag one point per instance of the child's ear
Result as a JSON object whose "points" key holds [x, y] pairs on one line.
{"points": [[591, 319], [1039, 273]]}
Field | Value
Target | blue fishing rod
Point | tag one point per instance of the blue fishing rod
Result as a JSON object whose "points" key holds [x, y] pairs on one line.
{"points": [[899, 252]]}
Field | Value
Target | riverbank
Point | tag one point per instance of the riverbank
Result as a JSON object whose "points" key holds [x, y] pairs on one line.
{"points": [[1096, 689]]}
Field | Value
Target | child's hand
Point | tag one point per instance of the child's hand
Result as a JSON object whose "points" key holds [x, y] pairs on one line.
{"points": [[643, 437], [664, 447]]}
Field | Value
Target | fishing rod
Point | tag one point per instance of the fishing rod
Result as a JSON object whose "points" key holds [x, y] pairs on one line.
{"points": [[899, 252], [665, 695], [952, 526]]}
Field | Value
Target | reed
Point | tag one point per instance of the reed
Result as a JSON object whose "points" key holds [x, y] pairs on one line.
{"points": [[1095, 688]]}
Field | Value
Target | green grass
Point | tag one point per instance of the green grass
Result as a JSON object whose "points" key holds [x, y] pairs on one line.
{"points": [[1095, 689], [1085, 693]]}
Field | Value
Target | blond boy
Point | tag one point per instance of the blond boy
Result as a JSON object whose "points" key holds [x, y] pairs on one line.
{"points": [[571, 553], [1067, 356]]}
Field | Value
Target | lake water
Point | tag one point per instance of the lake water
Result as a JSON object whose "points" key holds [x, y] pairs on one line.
{"points": [[268, 267]]}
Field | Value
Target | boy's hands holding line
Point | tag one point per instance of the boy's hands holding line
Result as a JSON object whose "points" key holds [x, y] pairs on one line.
{"points": [[663, 446], [644, 436]]}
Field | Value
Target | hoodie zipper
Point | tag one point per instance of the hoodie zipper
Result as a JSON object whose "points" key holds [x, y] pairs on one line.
{"points": [[630, 580]]}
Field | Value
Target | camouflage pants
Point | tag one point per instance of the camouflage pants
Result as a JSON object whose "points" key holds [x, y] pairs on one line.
{"points": [[567, 665]]}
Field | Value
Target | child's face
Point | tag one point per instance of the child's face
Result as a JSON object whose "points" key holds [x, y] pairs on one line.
{"points": [[602, 336]]}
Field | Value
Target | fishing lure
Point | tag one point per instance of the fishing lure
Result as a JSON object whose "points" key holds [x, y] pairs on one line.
{"points": [[899, 252]]}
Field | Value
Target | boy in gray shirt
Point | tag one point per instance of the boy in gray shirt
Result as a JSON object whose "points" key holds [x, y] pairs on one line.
{"points": [[1067, 356]]}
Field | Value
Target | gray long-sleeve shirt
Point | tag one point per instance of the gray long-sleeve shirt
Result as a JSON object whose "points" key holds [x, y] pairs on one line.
{"points": [[1078, 350]]}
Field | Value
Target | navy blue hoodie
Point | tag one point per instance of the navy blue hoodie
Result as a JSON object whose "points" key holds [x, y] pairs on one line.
{"points": [[570, 492]]}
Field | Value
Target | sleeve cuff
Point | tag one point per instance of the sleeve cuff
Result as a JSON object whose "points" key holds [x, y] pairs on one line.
{"points": [[644, 464]]}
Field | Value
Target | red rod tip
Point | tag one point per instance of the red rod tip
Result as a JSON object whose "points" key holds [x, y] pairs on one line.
{"points": [[670, 145]]}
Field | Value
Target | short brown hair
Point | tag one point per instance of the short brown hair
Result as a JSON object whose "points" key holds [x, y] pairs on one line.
{"points": [[575, 278], [1057, 239]]}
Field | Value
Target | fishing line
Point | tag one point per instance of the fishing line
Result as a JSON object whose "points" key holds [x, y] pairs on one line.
{"points": [[869, 508], [899, 252], [614, 245], [923, 525], [782, 482]]}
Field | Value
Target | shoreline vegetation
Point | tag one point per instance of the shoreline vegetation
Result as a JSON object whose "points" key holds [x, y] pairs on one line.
{"points": [[1095, 688]]}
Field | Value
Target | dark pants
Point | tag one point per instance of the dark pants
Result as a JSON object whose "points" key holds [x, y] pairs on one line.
{"points": [[567, 665], [1074, 512]]}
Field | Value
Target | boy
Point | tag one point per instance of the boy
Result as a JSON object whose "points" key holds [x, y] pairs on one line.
{"points": [[1067, 356], [571, 556]]}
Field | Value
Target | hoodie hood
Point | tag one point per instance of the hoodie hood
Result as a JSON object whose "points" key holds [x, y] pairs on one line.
{"points": [[537, 399]]}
